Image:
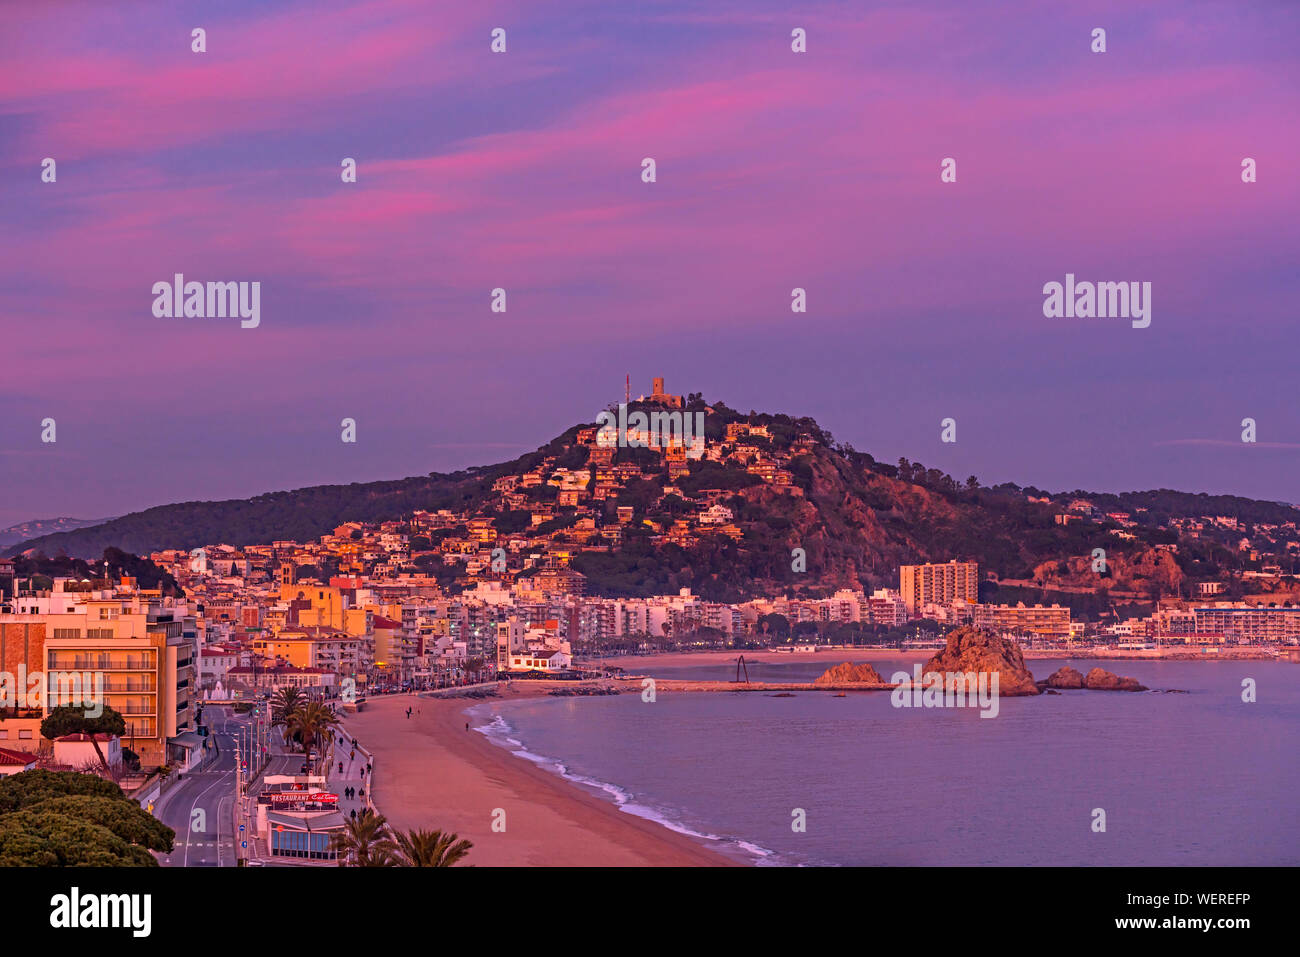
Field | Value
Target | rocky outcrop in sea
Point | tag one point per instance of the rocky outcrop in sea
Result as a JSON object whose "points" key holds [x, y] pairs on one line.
{"points": [[1098, 679], [971, 649], [849, 673]]}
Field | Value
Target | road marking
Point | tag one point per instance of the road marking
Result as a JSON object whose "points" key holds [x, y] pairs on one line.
{"points": [[220, 802], [189, 826]]}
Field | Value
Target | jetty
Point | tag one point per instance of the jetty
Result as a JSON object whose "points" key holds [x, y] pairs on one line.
{"points": [[681, 684]]}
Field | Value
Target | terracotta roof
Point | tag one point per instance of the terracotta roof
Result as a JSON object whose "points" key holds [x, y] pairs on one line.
{"points": [[9, 758]]}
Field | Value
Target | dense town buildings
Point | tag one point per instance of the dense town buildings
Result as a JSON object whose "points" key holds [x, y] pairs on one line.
{"points": [[445, 596]]}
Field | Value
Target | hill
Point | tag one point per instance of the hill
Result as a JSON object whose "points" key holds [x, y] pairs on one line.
{"points": [[726, 524]]}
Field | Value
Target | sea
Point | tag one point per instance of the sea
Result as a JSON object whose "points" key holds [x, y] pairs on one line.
{"points": [[1089, 778]]}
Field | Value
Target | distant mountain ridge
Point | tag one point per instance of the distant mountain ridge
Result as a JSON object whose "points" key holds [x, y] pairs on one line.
{"points": [[855, 518], [39, 527]]}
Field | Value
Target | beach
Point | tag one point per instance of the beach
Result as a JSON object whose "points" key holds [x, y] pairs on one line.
{"points": [[430, 772]]}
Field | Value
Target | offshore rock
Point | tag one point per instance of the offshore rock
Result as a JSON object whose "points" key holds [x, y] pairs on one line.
{"points": [[970, 649], [849, 673], [1099, 679]]}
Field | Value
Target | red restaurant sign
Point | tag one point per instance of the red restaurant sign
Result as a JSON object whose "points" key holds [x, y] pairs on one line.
{"points": [[294, 797]]}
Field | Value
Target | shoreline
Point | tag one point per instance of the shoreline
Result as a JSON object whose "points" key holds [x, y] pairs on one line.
{"points": [[636, 664], [432, 772]]}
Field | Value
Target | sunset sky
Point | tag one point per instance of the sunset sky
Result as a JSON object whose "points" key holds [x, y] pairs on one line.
{"points": [[522, 171]]}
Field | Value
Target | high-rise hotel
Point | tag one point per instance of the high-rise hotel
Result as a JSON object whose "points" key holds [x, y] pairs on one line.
{"points": [[921, 585]]}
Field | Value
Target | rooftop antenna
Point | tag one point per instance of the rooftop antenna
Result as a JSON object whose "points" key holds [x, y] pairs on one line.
{"points": [[627, 390]]}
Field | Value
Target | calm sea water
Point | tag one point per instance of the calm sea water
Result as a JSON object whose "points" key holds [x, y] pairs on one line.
{"points": [[1184, 779]]}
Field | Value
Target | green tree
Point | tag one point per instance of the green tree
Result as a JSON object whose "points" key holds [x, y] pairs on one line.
{"points": [[70, 720], [364, 841], [429, 848], [284, 703], [309, 723], [66, 819]]}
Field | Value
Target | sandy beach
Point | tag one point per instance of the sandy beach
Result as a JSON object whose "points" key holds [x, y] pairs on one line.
{"points": [[430, 772]]}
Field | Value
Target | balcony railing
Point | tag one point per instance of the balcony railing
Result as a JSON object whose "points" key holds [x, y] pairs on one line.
{"points": [[150, 687], [104, 663]]}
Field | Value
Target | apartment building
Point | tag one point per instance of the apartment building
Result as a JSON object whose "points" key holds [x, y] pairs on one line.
{"points": [[1044, 621], [327, 649], [921, 585], [138, 649], [1249, 622]]}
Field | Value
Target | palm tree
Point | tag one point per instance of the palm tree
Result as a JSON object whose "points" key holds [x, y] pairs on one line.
{"points": [[284, 703], [363, 841], [308, 723], [429, 848]]}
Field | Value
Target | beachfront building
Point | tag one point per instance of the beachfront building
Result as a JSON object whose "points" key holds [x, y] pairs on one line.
{"points": [[887, 607], [133, 647], [550, 662], [921, 585], [1249, 623], [272, 678], [1051, 623], [297, 815], [313, 647], [395, 649]]}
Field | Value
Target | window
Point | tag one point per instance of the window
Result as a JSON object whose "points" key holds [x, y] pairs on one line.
{"points": [[24, 735]]}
